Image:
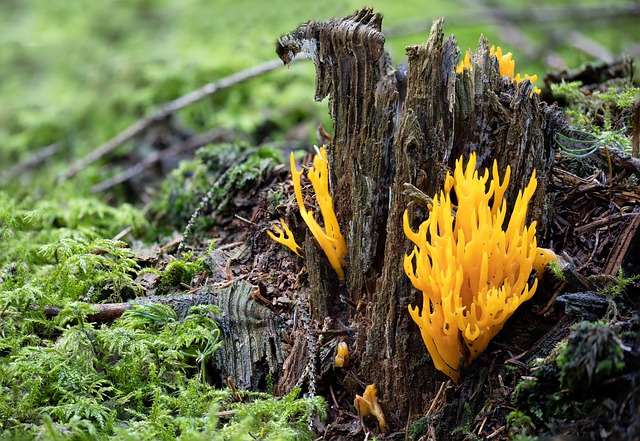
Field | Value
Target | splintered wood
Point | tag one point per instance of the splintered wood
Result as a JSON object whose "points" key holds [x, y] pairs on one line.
{"points": [[598, 224]]}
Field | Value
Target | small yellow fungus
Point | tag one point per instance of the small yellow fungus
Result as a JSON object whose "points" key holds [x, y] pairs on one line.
{"points": [[368, 404], [285, 237], [506, 63], [543, 259], [342, 357], [330, 239], [472, 269]]}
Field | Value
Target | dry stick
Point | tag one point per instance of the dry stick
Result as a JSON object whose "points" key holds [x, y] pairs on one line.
{"points": [[166, 110], [34, 160], [507, 19], [589, 46], [507, 30], [192, 143], [545, 15], [635, 128], [107, 312]]}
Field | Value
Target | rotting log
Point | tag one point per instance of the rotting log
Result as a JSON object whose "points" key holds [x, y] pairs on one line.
{"points": [[251, 350], [386, 136]]}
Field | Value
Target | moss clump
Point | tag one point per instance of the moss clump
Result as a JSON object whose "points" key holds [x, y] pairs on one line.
{"points": [[419, 428], [592, 355], [585, 388], [520, 426], [181, 270], [220, 178], [610, 107], [143, 377]]}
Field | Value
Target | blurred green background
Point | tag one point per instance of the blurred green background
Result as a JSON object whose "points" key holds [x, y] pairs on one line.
{"points": [[77, 72]]}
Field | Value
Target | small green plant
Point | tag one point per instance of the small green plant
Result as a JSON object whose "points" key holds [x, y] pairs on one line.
{"points": [[467, 428], [601, 119], [585, 143], [593, 109], [181, 271], [419, 428], [592, 354], [541, 396], [619, 285], [212, 181], [556, 269], [519, 425]]}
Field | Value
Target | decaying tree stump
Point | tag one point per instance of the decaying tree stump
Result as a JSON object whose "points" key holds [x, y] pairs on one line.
{"points": [[396, 126], [353, 69]]}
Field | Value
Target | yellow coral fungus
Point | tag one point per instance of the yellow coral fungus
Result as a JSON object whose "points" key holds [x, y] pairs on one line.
{"points": [[473, 270], [285, 237], [342, 357], [506, 64], [368, 404], [330, 239]]}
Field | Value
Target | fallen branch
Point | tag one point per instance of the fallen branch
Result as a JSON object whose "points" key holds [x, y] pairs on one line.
{"points": [[619, 158], [191, 144], [549, 15], [163, 112], [107, 312], [33, 161]]}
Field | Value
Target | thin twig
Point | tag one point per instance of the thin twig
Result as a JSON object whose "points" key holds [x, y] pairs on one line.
{"points": [[619, 158], [166, 110], [32, 161], [507, 29], [122, 234], [603, 222], [549, 15], [635, 131], [206, 200], [192, 143], [589, 46]]}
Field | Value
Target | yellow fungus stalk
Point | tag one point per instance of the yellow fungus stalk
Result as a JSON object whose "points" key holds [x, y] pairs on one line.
{"points": [[471, 264], [285, 237], [368, 404], [506, 63], [342, 355], [330, 239]]}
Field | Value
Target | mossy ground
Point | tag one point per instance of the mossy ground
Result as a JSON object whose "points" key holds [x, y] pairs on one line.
{"points": [[74, 74]]}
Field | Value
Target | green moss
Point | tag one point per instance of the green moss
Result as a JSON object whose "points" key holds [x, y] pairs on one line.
{"points": [[181, 270], [619, 285], [519, 425], [216, 179], [140, 378], [419, 428], [580, 389], [601, 118], [467, 428], [98, 270], [541, 396], [592, 354]]}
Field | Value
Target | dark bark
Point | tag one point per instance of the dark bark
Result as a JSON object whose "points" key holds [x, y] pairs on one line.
{"points": [[353, 69], [106, 312], [252, 349], [382, 142]]}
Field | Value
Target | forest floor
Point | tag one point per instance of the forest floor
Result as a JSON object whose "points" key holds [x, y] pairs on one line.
{"points": [[111, 316]]}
